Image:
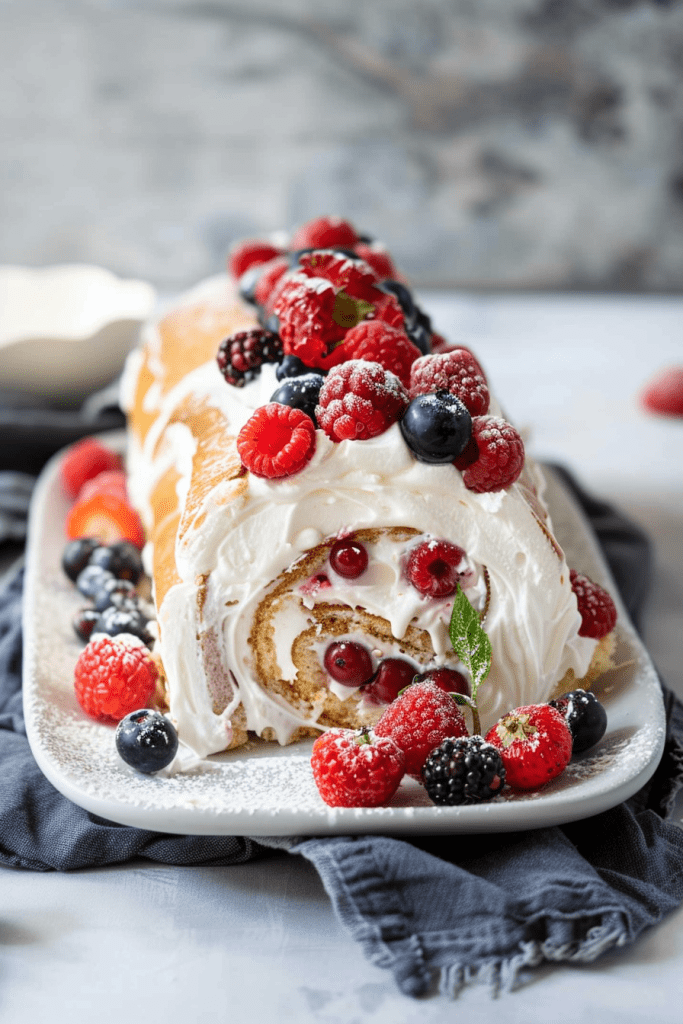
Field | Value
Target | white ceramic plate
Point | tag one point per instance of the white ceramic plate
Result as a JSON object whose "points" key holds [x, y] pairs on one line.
{"points": [[66, 330], [263, 789]]}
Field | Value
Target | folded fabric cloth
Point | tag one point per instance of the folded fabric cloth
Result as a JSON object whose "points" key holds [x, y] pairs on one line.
{"points": [[436, 911]]}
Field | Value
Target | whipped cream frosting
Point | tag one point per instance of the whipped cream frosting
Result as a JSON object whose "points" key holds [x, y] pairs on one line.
{"points": [[244, 541]]}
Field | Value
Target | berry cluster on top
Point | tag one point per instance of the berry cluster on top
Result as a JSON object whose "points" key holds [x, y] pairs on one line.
{"points": [[355, 355]]}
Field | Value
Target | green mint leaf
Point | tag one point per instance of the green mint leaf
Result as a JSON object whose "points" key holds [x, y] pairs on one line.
{"points": [[348, 311], [469, 640]]}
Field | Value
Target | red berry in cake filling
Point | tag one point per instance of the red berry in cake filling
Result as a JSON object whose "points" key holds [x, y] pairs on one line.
{"points": [[315, 584], [276, 441], [353, 276], [359, 400], [356, 769], [241, 355], [456, 371], [349, 558], [348, 663], [379, 259], [392, 676], [436, 567], [596, 607], [447, 679], [250, 253], [419, 720], [269, 277], [500, 455], [378, 342], [535, 744], [324, 233]]}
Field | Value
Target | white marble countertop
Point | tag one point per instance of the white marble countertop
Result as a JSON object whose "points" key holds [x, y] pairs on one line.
{"points": [[152, 943]]}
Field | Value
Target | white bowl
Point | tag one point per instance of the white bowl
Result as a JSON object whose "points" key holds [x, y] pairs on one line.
{"points": [[66, 330]]}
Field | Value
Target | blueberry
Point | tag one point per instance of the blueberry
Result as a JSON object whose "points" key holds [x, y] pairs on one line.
{"points": [[76, 556], [84, 623], [247, 284], [122, 559], [300, 392], [92, 579], [585, 716], [114, 592], [420, 336], [113, 621], [404, 296], [292, 366], [269, 323], [436, 427], [146, 741]]}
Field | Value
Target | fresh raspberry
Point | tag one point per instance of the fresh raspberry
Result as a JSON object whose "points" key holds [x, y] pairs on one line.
{"points": [[107, 516], [664, 394], [419, 720], [499, 454], [436, 567], [324, 233], [354, 769], [377, 342], [441, 345], [276, 441], [355, 277], [596, 607], [388, 309], [456, 371], [306, 308], [250, 253], [240, 356], [359, 400], [378, 258], [270, 276], [85, 460], [535, 743], [112, 481], [114, 676]]}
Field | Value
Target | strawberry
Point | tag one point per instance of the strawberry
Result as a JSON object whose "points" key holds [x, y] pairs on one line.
{"points": [[106, 515], [353, 768], [112, 481], [84, 461], [418, 720], [114, 676], [535, 744]]}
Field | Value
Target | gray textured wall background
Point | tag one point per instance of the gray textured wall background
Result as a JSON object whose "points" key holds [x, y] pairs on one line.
{"points": [[504, 143]]}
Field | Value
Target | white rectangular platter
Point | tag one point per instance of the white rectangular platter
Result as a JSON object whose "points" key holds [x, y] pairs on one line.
{"points": [[264, 790]]}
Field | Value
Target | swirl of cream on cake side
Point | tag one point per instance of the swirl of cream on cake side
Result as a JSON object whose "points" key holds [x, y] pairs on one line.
{"points": [[249, 602]]}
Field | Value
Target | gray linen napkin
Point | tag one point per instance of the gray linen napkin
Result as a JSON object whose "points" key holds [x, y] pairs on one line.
{"points": [[438, 912]]}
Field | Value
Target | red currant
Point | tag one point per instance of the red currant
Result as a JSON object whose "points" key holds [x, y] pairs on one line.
{"points": [[392, 676], [447, 679], [349, 558], [348, 663]]}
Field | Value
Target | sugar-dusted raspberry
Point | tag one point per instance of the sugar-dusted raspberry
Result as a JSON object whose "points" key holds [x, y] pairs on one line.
{"points": [[269, 277], [114, 676], [352, 275], [378, 342], [456, 371], [324, 233], [306, 308], [388, 309], [276, 441], [241, 355], [499, 455], [250, 253], [85, 460], [379, 259], [598, 613], [356, 769], [359, 400], [435, 568], [418, 720]]}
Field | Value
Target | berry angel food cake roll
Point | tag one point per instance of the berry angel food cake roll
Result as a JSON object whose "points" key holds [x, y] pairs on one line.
{"points": [[319, 474]]}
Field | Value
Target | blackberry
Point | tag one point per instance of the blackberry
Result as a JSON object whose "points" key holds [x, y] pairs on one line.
{"points": [[585, 716], [122, 559], [146, 740], [76, 556], [114, 621], [241, 355], [466, 770], [300, 392]]}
